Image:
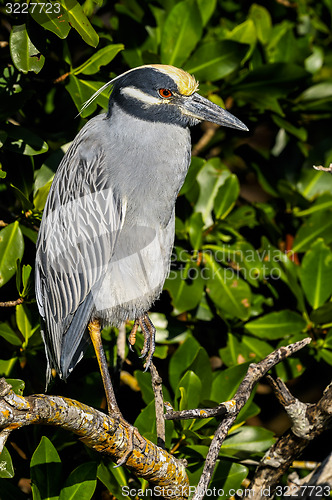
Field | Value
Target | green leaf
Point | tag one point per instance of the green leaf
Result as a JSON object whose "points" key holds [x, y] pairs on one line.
{"points": [[23, 320], [45, 468], [6, 366], [25, 202], [3, 137], [247, 440], [24, 141], [45, 174], [181, 360], [228, 291], [182, 30], [227, 477], [276, 325], [195, 166], [101, 58], [8, 334], [80, 22], [319, 91], [32, 234], [6, 464], [317, 226], [313, 182], [26, 272], [202, 368], [316, 274], [226, 382], [81, 91], [192, 388], [26, 57], [206, 8], [215, 60], [226, 197], [146, 422], [258, 349], [262, 21], [328, 340], [40, 197], [279, 265], [144, 382], [321, 203], [299, 132], [54, 19], [235, 351], [210, 178], [315, 61], [11, 249], [322, 314], [113, 479], [185, 287], [18, 385], [244, 33], [326, 356], [81, 483], [195, 229]]}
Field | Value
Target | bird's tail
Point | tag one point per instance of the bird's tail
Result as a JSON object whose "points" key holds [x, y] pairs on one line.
{"points": [[76, 338]]}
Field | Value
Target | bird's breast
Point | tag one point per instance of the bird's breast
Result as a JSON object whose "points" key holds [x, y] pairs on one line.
{"points": [[148, 162]]}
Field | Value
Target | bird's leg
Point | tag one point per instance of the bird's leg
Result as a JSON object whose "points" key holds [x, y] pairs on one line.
{"points": [[94, 330], [149, 333], [152, 341], [146, 334], [113, 408]]}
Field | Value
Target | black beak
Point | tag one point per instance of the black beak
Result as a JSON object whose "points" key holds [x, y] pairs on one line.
{"points": [[199, 108]]}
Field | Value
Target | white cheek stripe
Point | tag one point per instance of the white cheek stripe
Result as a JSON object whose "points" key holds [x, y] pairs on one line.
{"points": [[141, 96]]}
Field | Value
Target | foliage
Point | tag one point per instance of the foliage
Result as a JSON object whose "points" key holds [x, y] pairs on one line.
{"points": [[252, 264]]}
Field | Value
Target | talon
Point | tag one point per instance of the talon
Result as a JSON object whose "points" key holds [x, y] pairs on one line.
{"points": [[152, 343], [149, 332], [132, 431], [146, 333]]}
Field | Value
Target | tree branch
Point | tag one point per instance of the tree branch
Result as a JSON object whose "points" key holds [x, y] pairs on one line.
{"points": [[255, 372], [309, 421], [157, 386], [106, 434], [319, 481]]}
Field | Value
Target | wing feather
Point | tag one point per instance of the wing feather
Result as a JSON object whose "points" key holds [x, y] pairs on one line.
{"points": [[81, 221]]}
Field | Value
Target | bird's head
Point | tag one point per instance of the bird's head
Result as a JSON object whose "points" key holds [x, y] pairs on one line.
{"points": [[162, 93]]}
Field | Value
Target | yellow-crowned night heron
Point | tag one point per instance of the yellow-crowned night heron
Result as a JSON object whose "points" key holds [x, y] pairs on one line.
{"points": [[106, 237]]}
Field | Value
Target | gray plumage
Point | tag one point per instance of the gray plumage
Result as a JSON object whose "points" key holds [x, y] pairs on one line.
{"points": [[107, 231]]}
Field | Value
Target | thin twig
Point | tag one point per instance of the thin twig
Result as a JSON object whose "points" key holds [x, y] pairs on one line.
{"points": [[12, 303], [324, 169], [211, 129], [255, 372], [295, 409], [281, 391], [319, 480], [286, 3], [157, 386], [218, 411], [120, 353], [61, 78]]}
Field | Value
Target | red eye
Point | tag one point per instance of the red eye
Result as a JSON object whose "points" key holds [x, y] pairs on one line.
{"points": [[165, 93]]}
